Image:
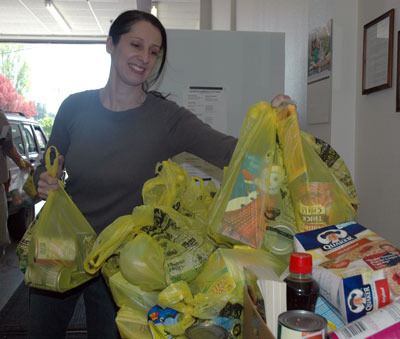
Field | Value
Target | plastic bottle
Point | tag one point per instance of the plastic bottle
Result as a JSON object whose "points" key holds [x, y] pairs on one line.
{"points": [[302, 289]]}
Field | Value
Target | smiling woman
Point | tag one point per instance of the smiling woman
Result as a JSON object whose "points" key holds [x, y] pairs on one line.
{"points": [[111, 140]]}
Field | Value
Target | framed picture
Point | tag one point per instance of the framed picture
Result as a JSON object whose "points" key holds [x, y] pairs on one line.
{"points": [[398, 74], [320, 53], [378, 53]]}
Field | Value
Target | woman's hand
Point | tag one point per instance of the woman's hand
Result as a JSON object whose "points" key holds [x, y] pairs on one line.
{"points": [[48, 183], [25, 165]]}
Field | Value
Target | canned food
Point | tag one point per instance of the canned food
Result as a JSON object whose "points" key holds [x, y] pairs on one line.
{"points": [[314, 204], [54, 278], [206, 331], [55, 249], [300, 324]]}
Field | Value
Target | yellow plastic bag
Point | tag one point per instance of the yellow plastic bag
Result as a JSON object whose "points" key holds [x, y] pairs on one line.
{"points": [[22, 249], [61, 239], [318, 198], [132, 324], [166, 188], [172, 247], [335, 165], [142, 263], [29, 186], [124, 293], [280, 221], [222, 279], [237, 212], [173, 187], [110, 267], [120, 231]]}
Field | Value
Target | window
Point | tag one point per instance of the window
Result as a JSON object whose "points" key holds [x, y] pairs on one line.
{"points": [[17, 138], [40, 138], [29, 139]]}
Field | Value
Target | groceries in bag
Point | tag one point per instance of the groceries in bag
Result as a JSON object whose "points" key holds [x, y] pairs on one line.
{"points": [[237, 213], [60, 240], [319, 198]]}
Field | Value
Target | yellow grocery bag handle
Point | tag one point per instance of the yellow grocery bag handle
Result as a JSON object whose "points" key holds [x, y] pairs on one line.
{"points": [[51, 161]]}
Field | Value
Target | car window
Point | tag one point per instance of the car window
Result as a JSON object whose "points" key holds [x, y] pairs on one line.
{"points": [[29, 139], [40, 138], [17, 138]]}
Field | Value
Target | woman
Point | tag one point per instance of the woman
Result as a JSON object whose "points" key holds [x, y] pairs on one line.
{"points": [[7, 149], [111, 140]]}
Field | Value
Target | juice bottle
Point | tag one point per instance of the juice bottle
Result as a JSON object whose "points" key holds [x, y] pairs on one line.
{"points": [[302, 290]]}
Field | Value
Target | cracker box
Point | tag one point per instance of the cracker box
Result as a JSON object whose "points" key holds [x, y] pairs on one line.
{"points": [[357, 270]]}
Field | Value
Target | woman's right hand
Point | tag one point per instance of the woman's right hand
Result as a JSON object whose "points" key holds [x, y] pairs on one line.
{"points": [[48, 183]]}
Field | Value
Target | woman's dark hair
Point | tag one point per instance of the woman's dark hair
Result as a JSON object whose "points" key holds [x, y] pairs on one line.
{"points": [[124, 22]]}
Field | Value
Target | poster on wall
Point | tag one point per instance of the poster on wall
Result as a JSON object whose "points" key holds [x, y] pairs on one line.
{"points": [[209, 104], [320, 53]]}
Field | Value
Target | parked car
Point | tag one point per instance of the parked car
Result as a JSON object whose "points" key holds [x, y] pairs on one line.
{"points": [[30, 141]]}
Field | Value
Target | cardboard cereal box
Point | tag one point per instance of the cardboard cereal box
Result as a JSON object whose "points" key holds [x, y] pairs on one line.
{"points": [[357, 270]]}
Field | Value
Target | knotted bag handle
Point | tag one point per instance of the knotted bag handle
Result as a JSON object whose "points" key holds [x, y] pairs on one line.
{"points": [[52, 161]]}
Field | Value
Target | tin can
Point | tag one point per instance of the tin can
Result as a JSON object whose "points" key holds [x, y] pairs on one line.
{"points": [[53, 278], [300, 324], [55, 249], [206, 330], [314, 204]]}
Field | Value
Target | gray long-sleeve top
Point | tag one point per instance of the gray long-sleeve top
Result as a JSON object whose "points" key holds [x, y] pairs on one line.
{"points": [[109, 155]]}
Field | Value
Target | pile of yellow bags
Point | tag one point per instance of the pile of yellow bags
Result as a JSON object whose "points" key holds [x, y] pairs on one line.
{"points": [[178, 260], [280, 181]]}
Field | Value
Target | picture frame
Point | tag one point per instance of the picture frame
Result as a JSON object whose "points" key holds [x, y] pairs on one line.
{"points": [[319, 53], [377, 63], [398, 74]]}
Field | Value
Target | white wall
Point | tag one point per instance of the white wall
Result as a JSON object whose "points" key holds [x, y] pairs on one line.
{"points": [[378, 139], [282, 16], [319, 15], [344, 73], [364, 129]]}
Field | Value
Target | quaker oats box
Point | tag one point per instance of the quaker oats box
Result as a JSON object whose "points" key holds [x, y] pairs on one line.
{"points": [[357, 270]]}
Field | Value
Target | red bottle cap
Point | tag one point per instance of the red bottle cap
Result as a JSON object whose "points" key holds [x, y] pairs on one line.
{"points": [[300, 263]]}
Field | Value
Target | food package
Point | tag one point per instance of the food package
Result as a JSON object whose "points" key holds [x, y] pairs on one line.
{"points": [[357, 270], [237, 212], [319, 196], [381, 324]]}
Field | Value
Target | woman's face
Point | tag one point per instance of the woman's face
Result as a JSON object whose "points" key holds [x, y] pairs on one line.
{"points": [[134, 57]]}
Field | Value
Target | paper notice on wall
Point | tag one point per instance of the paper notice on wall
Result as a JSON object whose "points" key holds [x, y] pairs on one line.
{"points": [[209, 105]]}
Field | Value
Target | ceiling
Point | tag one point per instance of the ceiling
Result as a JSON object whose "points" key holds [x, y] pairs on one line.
{"points": [[89, 19]]}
